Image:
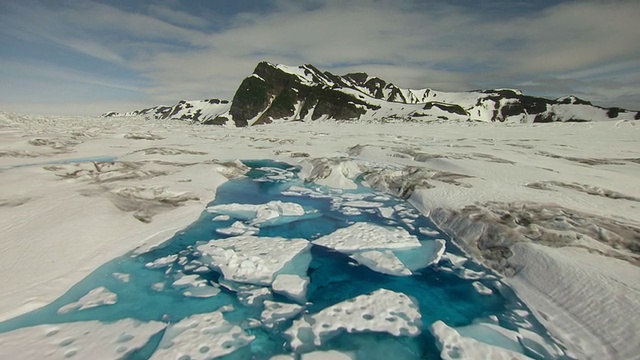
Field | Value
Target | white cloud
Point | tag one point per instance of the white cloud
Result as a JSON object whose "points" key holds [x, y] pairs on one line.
{"points": [[570, 47]]}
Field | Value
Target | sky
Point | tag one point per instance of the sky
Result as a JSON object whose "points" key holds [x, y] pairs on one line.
{"points": [[76, 57]]}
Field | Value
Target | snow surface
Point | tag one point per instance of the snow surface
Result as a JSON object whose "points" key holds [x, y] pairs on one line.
{"points": [[440, 166], [381, 311], [78, 340]]}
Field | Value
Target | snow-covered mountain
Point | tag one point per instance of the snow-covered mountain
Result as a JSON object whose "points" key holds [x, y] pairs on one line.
{"points": [[304, 93]]}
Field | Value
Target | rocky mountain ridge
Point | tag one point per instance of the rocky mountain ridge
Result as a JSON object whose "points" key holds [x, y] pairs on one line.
{"points": [[304, 93]]}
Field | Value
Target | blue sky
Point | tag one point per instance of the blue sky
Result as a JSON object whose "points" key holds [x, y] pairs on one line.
{"points": [[89, 57]]}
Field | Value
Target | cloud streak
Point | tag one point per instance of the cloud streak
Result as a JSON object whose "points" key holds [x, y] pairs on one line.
{"points": [[587, 48]]}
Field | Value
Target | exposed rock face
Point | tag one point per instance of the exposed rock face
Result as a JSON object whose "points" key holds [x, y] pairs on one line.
{"points": [[304, 93], [273, 92], [209, 111]]}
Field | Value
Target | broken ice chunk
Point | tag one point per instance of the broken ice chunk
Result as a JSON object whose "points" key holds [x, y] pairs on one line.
{"points": [[252, 259], [262, 215], [97, 297], [429, 253], [293, 287], [381, 311], [201, 336], [481, 288], [366, 236], [162, 262], [278, 311], [238, 228], [384, 262], [196, 286], [452, 345]]}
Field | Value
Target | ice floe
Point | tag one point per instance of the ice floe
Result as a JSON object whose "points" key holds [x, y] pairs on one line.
{"points": [[326, 355], [194, 285], [262, 215], [391, 251], [384, 261], [254, 260], [366, 236], [381, 311], [78, 340], [162, 262], [275, 312], [292, 286], [428, 231], [125, 278], [201, 336], [481, 288], [238, 228], [454, 346], [97, 297]]}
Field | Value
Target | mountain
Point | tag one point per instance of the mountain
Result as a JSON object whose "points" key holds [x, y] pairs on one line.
{"points": [[304, 93]]}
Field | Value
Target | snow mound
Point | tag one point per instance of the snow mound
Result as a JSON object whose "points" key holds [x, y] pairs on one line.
{"points": [[78, 340], [381, 311], [97, 297], [278, 311], [261, 215], [453, 346], [336, 172], [255, 260], [201, 336], [366, 236]]}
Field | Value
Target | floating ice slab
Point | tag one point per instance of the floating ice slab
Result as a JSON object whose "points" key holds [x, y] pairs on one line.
{"points": [[238, 228], [454, 346], [278, 311], [350, 211], [292, 286], [428, 231], [303, 191], [326, 355], [196, 286], [386, 212], [256, 296], [125, 278], [382, 261], [78, 340], [493, 335], [481, 288], [97, 297], [429, 253], [366, 236], [201, 336], [362, 204], [162, 262], [381, 311], [261, 215], [221, 218], [252, 259]]}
